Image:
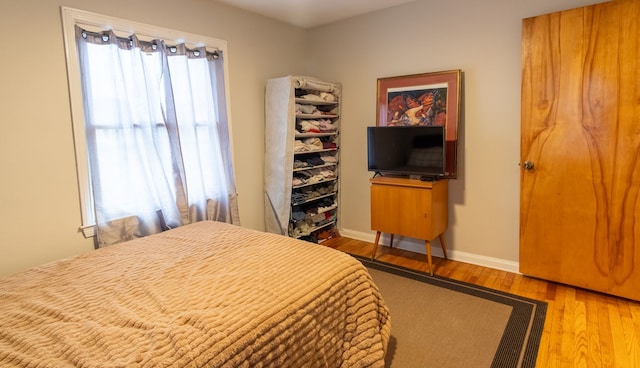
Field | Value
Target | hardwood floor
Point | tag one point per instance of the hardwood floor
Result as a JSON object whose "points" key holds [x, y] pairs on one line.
{"points": [[582, 328]]}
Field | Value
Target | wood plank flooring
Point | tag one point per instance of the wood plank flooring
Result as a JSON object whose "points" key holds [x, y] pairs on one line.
{"points": [[582, 328]]}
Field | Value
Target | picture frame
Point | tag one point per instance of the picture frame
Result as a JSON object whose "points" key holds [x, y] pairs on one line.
{"points": [[423, 99]]}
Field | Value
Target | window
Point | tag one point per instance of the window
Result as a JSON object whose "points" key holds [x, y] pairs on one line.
{"points": [[151, 128]]}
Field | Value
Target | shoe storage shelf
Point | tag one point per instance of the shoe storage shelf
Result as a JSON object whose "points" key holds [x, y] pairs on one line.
{"points": [[302, 160]]}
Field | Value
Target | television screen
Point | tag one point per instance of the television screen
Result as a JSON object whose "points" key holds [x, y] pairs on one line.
{"points": [[406, 150]]}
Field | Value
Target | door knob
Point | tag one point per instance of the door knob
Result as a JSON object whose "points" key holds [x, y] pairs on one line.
{"points": [[528, 165]]}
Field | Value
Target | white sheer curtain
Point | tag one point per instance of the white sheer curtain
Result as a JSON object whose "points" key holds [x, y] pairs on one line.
{"points": [[157, 135]]}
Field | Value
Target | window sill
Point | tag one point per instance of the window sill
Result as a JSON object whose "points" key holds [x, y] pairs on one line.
{"points": [[88, 231]]}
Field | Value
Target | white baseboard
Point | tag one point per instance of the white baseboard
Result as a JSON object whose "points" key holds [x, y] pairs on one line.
{"points": [[415, 245]]}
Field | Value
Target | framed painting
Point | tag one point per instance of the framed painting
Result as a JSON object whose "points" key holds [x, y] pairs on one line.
{"points": [[423, 99]]}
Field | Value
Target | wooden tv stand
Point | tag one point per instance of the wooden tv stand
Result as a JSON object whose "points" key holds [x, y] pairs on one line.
{"points": [[410, 207]]}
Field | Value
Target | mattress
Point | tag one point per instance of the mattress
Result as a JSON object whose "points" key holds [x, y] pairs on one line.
{"points": [[207, 294]]}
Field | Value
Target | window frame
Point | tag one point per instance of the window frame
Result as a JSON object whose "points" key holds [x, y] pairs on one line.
{"points": [[97, 22]]}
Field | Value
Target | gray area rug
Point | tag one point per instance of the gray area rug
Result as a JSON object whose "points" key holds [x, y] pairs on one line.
{"points": [[439, 322]]}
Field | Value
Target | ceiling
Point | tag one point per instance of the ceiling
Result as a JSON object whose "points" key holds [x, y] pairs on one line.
{"points": [[311, 13]]}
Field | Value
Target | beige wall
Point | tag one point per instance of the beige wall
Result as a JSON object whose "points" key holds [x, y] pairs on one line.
{"points": [[482, 38], [39, 206]]}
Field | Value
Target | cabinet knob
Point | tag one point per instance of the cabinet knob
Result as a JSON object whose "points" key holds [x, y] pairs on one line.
{"points": [[528, 165]]}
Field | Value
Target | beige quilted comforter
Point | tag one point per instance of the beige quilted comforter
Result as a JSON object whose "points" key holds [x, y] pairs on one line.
{"points": [[202, 295]]}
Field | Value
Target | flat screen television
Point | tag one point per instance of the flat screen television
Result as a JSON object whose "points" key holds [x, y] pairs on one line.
{"points": [[407, 150]]}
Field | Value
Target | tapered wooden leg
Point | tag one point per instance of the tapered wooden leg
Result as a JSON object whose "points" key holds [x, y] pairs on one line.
{"points": [[391, 242], [428, 245], [375, 245], [444, 246]]}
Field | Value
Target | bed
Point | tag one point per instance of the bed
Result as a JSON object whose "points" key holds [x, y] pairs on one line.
{"points": [[207, 294]]}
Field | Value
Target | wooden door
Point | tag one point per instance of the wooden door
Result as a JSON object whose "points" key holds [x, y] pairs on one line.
{"points": [[580, 148]]}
